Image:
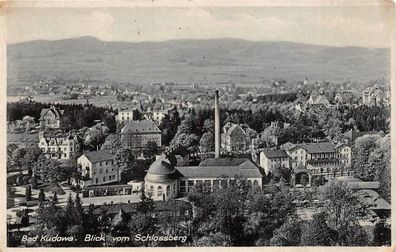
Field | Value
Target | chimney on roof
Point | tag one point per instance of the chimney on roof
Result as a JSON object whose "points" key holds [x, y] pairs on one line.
{"points": [[217, 125]]}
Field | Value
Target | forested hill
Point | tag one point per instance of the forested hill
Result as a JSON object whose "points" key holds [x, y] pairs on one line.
{"points": [[216, 60]]}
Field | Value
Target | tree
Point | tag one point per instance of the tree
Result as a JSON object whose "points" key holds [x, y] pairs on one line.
{"points": [[146, 204], [28, 193], [112, 143], [206, 143], [214, 240], [382, 235], [151, 151], [316, 232], [41, 196], [90, 220], [123, 161], [79, 209], [71, 212], [342, 206], [55, 198], [289, 234], [25, 218], [364, 147]]}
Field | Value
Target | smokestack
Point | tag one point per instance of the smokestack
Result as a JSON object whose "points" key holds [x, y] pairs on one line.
{"points": [[217, 125]]}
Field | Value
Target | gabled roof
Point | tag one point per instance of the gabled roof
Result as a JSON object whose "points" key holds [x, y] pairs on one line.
{"points": [[300, 168], [100, 155], [288, 146], [245, 169], [274, 153], [338, 145], [145, 126], [230, 127], [317, 147], [56, 112]]}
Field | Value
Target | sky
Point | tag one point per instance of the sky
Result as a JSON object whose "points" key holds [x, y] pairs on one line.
{"points": [[360, 26]]}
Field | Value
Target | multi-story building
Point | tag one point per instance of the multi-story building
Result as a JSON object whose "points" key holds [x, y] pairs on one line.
{"points": [[273, 159], [137, 134], [343, 154], [374, 96], [57, 145], [320, 158], [125, 116], [51, 118], [97, 168], [234, 139]]}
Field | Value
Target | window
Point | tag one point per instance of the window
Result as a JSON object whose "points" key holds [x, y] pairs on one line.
{"points": [[104, 179], [167, 190], [174, 188], [151, 190], [96, 180], [159, 191], [216, 183], [100, 163], [182, 186]]}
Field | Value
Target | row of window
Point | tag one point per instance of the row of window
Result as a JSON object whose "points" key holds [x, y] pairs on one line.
{"points": [[111, 177], [216, 184], [160, 190]]}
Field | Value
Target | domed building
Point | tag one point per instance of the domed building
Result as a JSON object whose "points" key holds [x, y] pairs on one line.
{"points": [[161, 180]]}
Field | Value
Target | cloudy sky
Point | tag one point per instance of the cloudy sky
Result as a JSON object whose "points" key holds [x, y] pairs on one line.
{"points": [[335, 26]]}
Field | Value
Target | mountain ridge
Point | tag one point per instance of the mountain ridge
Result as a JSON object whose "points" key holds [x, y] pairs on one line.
{"points": [[208, 60]]}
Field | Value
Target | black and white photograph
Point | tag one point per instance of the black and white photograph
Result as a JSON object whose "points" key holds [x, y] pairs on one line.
{"points": [[189, 124]]}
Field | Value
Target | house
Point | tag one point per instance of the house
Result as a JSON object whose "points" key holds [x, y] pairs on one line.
{"points": [[51, 118], [97, 168], [318, 100], [343, 154], [137, 134], [374, 96], [272, 159], [58, 145], [125, 116], [234, 139]]}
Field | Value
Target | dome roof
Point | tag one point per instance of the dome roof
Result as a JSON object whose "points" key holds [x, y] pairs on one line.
{"points": [[300, 168], [160, 171]]}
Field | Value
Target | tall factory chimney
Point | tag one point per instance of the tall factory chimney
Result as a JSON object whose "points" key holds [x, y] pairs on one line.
{"points": [[217, 125]]}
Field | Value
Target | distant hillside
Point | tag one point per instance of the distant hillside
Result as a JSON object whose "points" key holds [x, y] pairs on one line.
{"points": [[216, 60]]}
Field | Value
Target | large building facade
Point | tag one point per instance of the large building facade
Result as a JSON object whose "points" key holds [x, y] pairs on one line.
{"points": [[234, 139], [163, 181], [138, 134], [97, 168], [57, 145]]}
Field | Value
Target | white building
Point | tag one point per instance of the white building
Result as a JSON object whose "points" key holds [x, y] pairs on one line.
{"points": [[272, 159], [125, 116], [57, 145], [97, 168], [164, 182], [344, 154]]}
